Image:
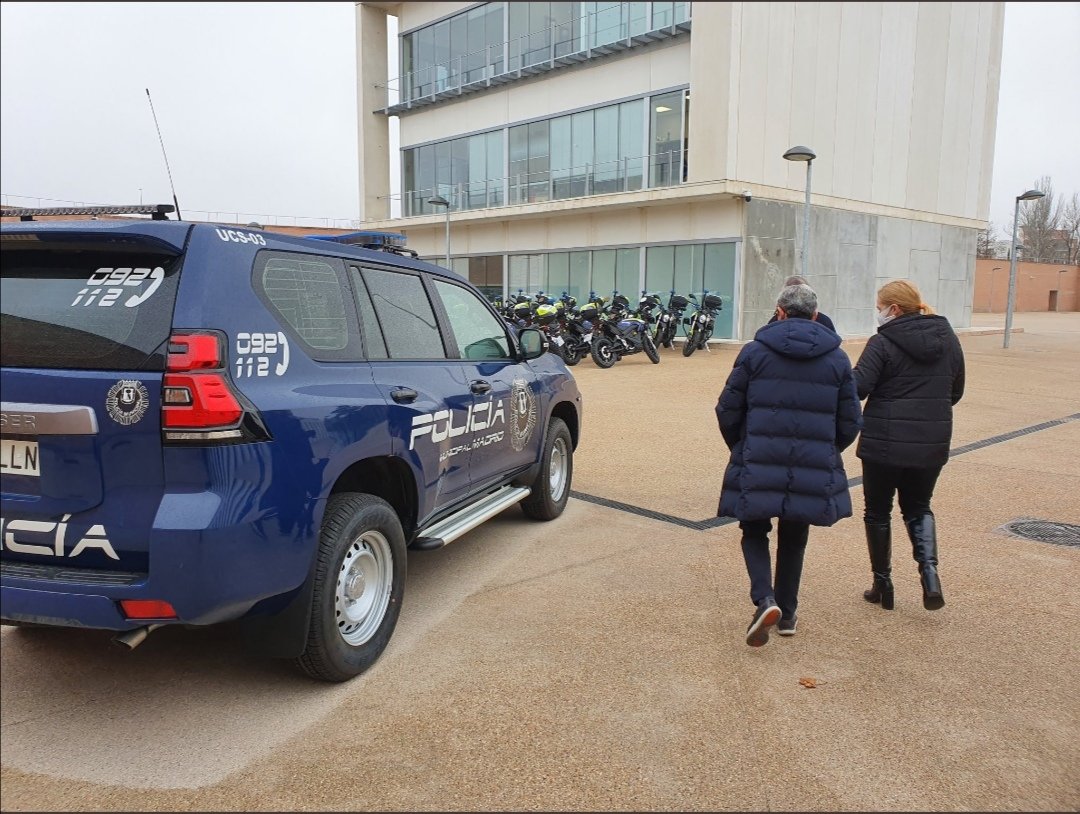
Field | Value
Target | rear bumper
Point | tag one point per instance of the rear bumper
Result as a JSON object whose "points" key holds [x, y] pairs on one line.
{"points": [[208, 575], [61, 609]]}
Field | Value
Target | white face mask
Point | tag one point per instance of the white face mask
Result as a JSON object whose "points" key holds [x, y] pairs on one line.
{"points": [[884, 316]]}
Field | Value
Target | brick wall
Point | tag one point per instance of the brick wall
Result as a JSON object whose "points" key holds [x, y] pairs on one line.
{"points": [[1039, 286]]}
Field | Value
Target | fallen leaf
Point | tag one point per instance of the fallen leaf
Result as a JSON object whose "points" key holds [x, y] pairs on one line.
{"points": [[809, 683]]}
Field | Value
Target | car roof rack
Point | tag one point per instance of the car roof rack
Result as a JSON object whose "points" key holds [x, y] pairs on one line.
{"points": [[156, 211]]}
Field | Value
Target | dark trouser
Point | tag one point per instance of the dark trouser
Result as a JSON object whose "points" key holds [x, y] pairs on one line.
{"points": [[915, 488], [790, 547]]}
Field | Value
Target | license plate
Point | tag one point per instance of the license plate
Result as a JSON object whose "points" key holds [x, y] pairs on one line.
{"points": [[19, 458]]}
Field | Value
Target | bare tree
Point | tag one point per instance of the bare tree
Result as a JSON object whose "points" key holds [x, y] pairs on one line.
{"points": [[1070, 228], [1039, 221], [985, 242]]}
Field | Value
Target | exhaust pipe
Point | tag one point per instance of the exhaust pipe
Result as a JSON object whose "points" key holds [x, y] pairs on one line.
{"points": [[131, 639]]}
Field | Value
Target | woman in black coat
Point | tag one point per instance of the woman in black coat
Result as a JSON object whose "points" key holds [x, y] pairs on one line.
{"points": [[911, 373]]}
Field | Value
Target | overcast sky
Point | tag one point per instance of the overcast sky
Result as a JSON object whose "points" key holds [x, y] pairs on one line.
{"points": [[256, 104]]}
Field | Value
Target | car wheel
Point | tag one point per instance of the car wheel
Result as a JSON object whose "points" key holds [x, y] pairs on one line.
{"points": [[551, 489], [359, 585]]}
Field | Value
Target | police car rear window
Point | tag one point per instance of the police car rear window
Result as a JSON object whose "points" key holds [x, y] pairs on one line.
{"points": [[86, 309], [307, 293]]}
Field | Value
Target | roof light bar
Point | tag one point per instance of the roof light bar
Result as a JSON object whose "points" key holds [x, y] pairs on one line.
{"points": [[393, 242], [157, 211]]}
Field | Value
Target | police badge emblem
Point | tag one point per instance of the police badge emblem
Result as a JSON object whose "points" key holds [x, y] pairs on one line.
{"points": [[522, 414], [127, 402]]}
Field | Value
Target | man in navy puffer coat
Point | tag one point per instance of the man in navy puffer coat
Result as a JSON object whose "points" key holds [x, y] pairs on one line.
{"points": [[789, 408]]}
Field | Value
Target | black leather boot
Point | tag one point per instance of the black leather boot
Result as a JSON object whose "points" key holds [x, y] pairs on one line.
{"points": [[879, 543], [923, 536]]}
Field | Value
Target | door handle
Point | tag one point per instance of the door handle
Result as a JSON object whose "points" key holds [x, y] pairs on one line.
{"points": [[403, 395], [480, 386]]}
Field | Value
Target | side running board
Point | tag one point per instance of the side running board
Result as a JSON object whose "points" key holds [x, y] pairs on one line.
{"points": [[449, 529]]}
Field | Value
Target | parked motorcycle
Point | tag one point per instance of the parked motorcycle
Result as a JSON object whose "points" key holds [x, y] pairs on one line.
{"points": [[546, 317], [621, 333], [578, 330], [668, 320], [700, 323]]}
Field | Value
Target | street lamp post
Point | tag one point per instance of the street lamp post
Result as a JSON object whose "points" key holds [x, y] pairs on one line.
{"points": [[801, 153], [439, 200], [1030, 195]]}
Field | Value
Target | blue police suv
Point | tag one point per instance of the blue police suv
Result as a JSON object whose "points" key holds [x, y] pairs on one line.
{"points": [[204, 424]]}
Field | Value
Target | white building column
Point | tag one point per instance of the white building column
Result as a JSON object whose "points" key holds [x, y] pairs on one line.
{"points": [[373, 129], [713, 58]]}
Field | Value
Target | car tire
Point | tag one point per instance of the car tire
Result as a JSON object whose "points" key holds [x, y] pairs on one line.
{"points": [[359, 584], [551, 489]]}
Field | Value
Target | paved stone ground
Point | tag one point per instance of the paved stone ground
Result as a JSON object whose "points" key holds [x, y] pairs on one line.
{"points": [[598, 662]]}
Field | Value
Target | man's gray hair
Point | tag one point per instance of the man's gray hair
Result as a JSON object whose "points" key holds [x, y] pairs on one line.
{"points": [[798, 301]]}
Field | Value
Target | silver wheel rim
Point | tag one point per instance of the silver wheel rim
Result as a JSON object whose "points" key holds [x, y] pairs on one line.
{"points": [[557, 469], [605, 351], [363, 587]]}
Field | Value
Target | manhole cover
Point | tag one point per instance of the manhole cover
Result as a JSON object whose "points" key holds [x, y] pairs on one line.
{"points": [[1044, 531]]}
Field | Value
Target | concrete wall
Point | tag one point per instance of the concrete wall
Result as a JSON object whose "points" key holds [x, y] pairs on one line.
{"points": [[1034, 284], [899, 100], [632, 226], [851, 256]]}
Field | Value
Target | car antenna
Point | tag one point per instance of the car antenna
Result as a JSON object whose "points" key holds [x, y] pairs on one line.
{"points": [[167, 168]]}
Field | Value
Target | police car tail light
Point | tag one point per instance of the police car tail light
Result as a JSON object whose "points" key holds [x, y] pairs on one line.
{"points": [[198, 400], [147, 609]]}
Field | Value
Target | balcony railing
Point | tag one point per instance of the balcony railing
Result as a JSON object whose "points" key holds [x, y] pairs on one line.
{"points": [[554, 47], [621, 175]]}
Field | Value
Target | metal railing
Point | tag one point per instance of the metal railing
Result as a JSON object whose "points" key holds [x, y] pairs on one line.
{"points": [[233, 216], [620, 175], [579, 37]]}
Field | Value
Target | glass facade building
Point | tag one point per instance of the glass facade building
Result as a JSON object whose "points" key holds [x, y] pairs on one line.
{"points": [[492, 39], [614, 148]]}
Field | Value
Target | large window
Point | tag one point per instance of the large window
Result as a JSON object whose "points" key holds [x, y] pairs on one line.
{"points": [[496, 38], [667, 145], [688, 268], [592, 152], [694, 269], [484, 272], [465, 48], [588, 153], [468, 172], [578, 273]]}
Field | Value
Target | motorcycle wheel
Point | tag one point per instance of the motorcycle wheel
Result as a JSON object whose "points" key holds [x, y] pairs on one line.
{"points": [[649, 347], [571, 357], [668, 336], [603, 353], [691, 344]]}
